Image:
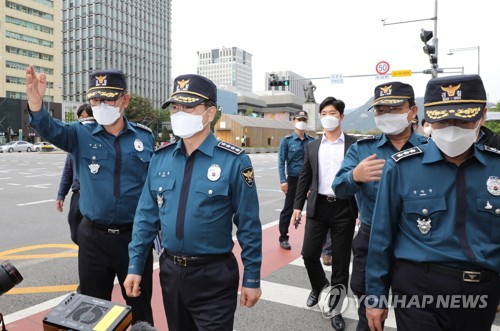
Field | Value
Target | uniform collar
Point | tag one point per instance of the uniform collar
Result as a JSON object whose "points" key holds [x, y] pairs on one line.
{"points": [[98, 128], [433, 154], [414, 139], [207, 146], [295, 136]]}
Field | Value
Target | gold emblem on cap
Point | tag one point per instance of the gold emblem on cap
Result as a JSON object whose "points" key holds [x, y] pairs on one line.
{"points": [[385, 89], [451, 90], [101, 80], [182, 84]]}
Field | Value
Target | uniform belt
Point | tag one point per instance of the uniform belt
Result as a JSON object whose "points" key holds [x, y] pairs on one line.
{"points": [[469, 276], [194, 260], [327, 197], [111, 229], [365, 228]]}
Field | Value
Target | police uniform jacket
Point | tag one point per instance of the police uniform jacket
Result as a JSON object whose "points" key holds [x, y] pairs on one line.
{"points": [[344, 185], [221, 192], [417, 215], [291, 155], [112, 170]]}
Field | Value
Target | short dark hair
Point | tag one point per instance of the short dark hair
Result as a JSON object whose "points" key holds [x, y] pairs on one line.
{"points": [[423, 122], [84, 108], [209, 103], [411, 102], [338, 104]]}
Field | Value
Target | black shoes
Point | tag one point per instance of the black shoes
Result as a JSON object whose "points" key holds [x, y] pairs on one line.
{"points": [[314, 295], [285, 245], [338, 322]]}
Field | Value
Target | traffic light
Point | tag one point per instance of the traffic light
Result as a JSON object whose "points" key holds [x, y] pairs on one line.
{"points": [[286, 83], [429, 49], [278, 82]]}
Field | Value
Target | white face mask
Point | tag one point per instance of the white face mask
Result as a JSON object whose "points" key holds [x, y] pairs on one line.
{"points": [[427, 130], [454, 140], [329, 123], [392, 124], [300, 125], [105, 114], [186, 125]]}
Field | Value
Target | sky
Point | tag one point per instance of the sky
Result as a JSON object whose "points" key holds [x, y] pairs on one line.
{"points": [[320, 38]]}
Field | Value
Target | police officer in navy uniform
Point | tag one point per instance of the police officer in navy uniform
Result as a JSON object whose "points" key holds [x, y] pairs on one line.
{"points": [[360, 172], [112, 157], [290, 161], [196, 189], [443, 229]]}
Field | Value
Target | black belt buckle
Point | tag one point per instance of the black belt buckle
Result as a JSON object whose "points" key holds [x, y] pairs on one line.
{"points": [[471, 276], [114, 231], [331, 199], [180, 260]]}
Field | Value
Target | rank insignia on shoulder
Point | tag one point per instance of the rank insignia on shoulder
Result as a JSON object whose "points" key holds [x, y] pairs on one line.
{"points": [[407, 152], [288, 136], [142, 126], [247, 175], [367, 138], [230, 147], [491, 149]]}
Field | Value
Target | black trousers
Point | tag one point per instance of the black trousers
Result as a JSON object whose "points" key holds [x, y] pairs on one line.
{"points": [[74, 216], [101, 257], [200, 297], [358, 286], [339, 217], [287, 211], [410, 279]]}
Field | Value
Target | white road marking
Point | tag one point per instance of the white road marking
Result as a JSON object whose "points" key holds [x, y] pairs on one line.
{"points": [[34, 202]]}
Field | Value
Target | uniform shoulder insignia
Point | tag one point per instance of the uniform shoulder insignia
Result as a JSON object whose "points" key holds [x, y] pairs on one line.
{"points": [[164, 147], [491, 149], [310, 137], [288, 136], [230, 147], [142, 126], [366, 139], [407, 152]]}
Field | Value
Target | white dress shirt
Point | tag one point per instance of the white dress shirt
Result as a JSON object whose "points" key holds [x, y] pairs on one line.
{"points": [[330, 157]]}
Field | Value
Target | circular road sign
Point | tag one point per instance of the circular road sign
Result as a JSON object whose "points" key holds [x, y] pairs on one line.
{"points": [[382, 67]]}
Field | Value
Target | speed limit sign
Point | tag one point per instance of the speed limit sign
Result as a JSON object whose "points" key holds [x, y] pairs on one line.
{"points": [[382, 67]]}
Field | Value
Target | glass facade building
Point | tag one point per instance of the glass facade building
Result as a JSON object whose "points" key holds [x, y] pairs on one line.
{"points": [[133, 36]]}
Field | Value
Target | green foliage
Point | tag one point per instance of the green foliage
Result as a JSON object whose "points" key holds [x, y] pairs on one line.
{"points": [[140, 110], [494, 125], [249, 111], [70, 117], [218, 114]]}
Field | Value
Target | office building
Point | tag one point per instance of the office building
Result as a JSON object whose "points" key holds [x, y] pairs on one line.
{"points": [[134, 36], [30, 33], [227, 66]]}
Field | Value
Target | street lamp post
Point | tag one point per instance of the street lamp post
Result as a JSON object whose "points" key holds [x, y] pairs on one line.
{"points": [[473, 48]]}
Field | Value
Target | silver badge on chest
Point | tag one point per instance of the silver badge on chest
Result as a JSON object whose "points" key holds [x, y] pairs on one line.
{"points": [[138, 145], [94, 167], [159, 197], [424, 225], [493, 185], [213, 173]]}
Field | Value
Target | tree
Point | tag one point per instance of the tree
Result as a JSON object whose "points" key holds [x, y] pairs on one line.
{"points": [[494, 125], [140, 110], [69, 116], [249, 111], [218, 114]]}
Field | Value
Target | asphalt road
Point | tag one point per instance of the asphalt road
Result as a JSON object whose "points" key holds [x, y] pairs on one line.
{"points": [[35, 238]]}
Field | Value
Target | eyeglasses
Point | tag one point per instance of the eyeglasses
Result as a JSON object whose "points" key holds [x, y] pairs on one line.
{"points": [[98, 101], [389, 109], [460, 124], [174, 108]]}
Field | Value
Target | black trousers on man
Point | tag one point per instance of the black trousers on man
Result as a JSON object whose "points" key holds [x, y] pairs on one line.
{"points": [[359, 256], [287, 211], [201, 297], [103, 255], [339, 217], [74, 215], [456, 304]]}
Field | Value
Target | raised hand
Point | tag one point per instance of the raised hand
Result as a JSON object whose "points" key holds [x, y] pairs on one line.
{"points": [[35, 88]]}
